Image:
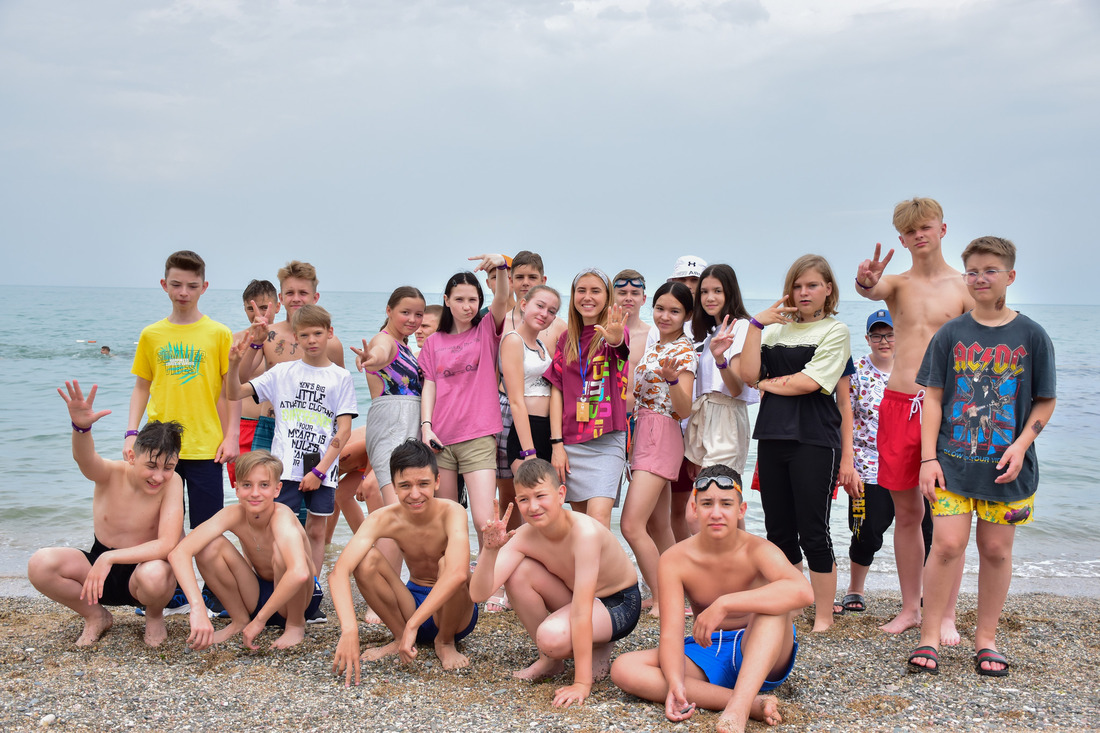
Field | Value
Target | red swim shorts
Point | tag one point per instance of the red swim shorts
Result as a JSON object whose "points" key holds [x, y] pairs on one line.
{"points": [[248, 432], [899, 416]]}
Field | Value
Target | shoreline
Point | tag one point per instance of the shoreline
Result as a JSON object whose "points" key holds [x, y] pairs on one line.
{"points": [[851, 677]]}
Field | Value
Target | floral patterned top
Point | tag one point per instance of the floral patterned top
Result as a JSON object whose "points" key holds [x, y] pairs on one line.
{"points": [[868, 384], [650, 390]]}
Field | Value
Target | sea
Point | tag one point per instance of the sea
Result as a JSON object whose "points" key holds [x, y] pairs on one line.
{"points": [[55, 334]]}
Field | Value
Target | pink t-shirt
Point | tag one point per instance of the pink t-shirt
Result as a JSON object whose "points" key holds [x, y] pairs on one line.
{"points": [[603, 386], [462, 365]]}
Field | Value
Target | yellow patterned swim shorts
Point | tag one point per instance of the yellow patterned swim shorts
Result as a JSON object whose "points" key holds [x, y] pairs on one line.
{"points": [[948, 504]]}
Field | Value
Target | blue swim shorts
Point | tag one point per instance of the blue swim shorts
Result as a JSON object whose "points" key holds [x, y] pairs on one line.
{"points": [[428, 630], [721, 661], [267, 587]]}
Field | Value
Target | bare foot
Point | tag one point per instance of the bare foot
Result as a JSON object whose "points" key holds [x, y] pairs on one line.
{"points": [[542, 668], [227, 633], [377, 652], [823, 622], [949, 635], [765, 708], [601, 660], [155, 630], [450, 657], [902, 622], [95, 626], [654, 611], [290, 637], [370, 617]]}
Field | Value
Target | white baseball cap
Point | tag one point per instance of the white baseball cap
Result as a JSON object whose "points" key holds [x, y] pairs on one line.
{"points": [[688, 266]]}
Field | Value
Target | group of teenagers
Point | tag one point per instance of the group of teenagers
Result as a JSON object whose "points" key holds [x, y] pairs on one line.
{"points": [[506, 404]]}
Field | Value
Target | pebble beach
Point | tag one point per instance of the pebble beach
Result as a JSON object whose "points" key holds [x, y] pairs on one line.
{"points": [[852, 677]]}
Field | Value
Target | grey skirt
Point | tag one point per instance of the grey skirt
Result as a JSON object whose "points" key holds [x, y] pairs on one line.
{"points": [[391, 420], [596, 467]]}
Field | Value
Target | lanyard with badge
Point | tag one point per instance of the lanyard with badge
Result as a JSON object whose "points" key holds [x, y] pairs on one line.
{"points": [[583, 408]]}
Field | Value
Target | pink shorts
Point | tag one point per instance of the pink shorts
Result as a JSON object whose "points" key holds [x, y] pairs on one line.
{"points": [[898, 439], [658, 444]]}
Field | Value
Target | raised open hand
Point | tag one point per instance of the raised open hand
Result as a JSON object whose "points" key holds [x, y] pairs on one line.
{"points": [[495, 534], [614, 331], [81, 411], [870, 271], [669, 368]]}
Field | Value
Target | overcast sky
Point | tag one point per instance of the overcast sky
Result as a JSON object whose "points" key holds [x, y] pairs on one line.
{"points": [[387, 141]]}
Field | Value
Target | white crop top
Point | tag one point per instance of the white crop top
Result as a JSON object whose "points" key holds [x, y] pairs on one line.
{"points": [[535, 364]]}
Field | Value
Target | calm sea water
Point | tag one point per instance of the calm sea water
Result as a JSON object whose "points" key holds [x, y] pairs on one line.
{"points": [[45, 501]]}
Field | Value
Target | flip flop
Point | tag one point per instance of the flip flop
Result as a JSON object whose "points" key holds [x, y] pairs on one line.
{"points": [[854, 602], [990, 655], [924, 652]]}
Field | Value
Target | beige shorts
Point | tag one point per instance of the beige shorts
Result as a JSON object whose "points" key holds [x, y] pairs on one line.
{"points": [[718, 432], [476, 454]]}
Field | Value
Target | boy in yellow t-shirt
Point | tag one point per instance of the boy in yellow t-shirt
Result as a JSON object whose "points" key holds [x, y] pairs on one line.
{"points": [[180, 366]]}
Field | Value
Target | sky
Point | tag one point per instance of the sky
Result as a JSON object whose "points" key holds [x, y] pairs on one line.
{"points": [[385, 142]]}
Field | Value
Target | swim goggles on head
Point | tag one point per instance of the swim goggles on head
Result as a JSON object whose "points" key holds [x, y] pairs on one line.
{"points": [[638, 282], [724, 482]]}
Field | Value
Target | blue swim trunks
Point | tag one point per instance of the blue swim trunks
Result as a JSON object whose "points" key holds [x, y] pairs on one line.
{"points": [[267, 587], [265, 433], [721, 661], [428, 630]]}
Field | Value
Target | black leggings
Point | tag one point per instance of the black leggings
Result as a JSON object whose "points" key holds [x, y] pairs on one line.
{"points": [[796, 494], [869, 519]]}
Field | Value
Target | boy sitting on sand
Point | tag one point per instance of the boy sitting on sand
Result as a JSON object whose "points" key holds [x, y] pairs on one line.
{"points": [[137, 511], [567, 577], [743, 590], [271, 583], [432, 534]]}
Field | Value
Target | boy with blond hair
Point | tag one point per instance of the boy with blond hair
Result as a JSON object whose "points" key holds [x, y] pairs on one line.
{"points": [[270, 581], [314, 403], [989, 377], [137, 510], [921, 299]]}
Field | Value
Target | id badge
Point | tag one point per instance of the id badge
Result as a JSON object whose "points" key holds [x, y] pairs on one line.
{"points": [[582, 410]]}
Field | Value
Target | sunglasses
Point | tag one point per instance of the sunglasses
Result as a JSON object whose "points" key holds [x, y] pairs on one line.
{"points": [[636, 282], [723, 482]]}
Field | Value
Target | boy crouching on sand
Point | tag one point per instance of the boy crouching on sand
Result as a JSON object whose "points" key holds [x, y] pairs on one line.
{"points": [[989, 381], [432, 534], [137, 511], [567, 577], [271, 583], [743, 590]]}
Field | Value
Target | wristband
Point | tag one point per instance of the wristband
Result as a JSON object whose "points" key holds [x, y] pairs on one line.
{"points": [[929, 460], [258, 346], [425, 422], [725, 363], [79, 429], [527, 453], [555, 441], [756, 323], [130, 433], [865, 287], [317, 473], [673, 383]]}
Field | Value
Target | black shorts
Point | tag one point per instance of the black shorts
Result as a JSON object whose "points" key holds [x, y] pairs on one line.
{"points": [[625, 608], [540, 437], [116, 588]]}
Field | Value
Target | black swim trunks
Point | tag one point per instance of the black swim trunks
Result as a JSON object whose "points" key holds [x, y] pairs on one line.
{"points": [[116, 588], [625, 608]]}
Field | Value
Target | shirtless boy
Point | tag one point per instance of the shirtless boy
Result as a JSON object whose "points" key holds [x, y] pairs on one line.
{"points": [[432, 534], [921, 299], [526, 272], [271, 583], [429, 325], [568, 578], [261, 300], [137, 510], [743, 590]]}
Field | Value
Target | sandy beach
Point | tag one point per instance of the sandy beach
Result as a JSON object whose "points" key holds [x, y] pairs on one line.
{"points": [[850, 678]]}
